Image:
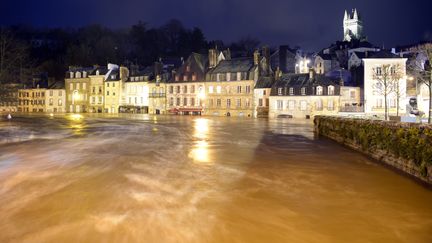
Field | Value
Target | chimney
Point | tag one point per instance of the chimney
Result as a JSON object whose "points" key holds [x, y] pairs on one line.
{"points": [[256, 57], [278, 73], [212, 58], [283, 58], [157, 68], [124, 73], [266, 54]]}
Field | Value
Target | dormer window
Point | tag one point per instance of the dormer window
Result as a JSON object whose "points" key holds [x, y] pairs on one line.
{"points": [[97, 72], [319, 90], [291, 91], [303, 91], [330, 90], [113, 76], [84, 74], [194, 77], [188, 68], [78, 75], [177, 78], [71, 75], [279, 91]]}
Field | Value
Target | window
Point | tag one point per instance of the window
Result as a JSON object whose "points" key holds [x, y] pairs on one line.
{"points": [[184, 101], [77, 86], [222, 76], [188, 68], [185, 89], [218, 103], [264, 91], [178, 102], [113, 85], [330, 90], [352, 94], [177, 78], [393, 70], [108, 85], [233, 76], [60, 102], [130, 100], [71, 75], [107, 93], [94, 90], [185, 77], [319, 105], [291, 105], [303, 105], [93, 100], [113, 93], [71, 86], [291, 91], [330, 105], [279, 91], [378, 71], [238, 102], [78, 75], [51, 93], [303, 90], [171, 102], [84, 86], [171, 89], [178, 89], [279, 104], [228, 103], [51, 102], [319, 90], [192, 102], [194, 77], [210, 89], [260, 102], [247, 103], [239, 89], [248, 90], [211, 102], [218, 89]]}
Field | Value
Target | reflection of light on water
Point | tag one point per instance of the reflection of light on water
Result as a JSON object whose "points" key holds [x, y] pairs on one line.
{"points": [[200, 152], [75, 117], [201, 128]]}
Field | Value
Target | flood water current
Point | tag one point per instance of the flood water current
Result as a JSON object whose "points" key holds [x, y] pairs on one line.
{"points": [[143, 178]]}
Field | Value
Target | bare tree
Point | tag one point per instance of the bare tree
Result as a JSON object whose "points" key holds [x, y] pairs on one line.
{"points": [[396, 74], [13, 55], [422, 71], [387, 78]]}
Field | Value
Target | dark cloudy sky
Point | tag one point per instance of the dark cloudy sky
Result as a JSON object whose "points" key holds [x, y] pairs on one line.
{"points": [[311, 24]]}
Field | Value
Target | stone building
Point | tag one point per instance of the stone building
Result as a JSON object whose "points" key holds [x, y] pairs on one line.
{"points": [[32, 100], [374, 66], [77, 86], [186, 89], [96, 90], [353, 26], [229, 86], [113, 86], [135, 97], [304, 96]]}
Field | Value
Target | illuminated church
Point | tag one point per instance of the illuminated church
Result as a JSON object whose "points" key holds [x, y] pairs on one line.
{"points": [[353, 26]]}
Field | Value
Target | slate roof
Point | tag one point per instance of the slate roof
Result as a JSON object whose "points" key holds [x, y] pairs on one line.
{"points": [[264, 82], [303, 80], [116, 74], [243, 64], [383, 54]]}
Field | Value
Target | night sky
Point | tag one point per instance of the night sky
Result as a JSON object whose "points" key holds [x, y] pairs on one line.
{"points": [[312, 24]]}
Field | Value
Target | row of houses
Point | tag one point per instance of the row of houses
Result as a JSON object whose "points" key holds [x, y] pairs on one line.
{"points": [[339, 79]]}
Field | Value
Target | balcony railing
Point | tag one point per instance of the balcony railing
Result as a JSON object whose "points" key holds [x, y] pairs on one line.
{"points": [[156, 95]]}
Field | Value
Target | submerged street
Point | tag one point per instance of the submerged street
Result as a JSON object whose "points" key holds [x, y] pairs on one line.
{"points": [[143, 178]]}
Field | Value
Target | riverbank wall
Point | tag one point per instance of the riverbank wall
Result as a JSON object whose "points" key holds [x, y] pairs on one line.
{"points": [[404, 146]]}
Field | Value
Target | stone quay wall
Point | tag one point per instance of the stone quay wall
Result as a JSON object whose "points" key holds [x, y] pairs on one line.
{"points": [[404, 146]]}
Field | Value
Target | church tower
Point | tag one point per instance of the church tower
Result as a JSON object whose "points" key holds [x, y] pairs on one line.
{"points": [[353, 26]]}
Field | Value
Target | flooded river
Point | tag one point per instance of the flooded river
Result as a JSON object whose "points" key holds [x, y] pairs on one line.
{"points": [[145, 178]]}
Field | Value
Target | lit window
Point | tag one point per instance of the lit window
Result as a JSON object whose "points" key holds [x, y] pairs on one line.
{"points": [[228, 103], [331, 90], [303, 90], [210, 89], [218, 89], [279, 104], [279, 91], [291, 91], [319, 90]]}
